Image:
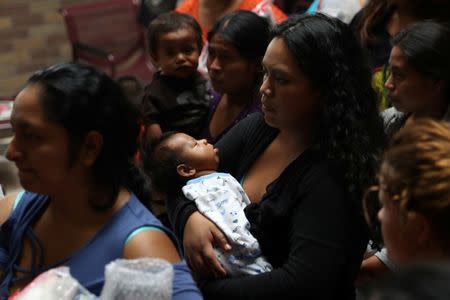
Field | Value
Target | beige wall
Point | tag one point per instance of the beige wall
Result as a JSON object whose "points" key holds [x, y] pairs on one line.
{"points": [[32, 35]]}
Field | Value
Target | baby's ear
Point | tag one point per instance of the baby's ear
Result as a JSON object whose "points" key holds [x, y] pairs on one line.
{"points": [[185, 171]]}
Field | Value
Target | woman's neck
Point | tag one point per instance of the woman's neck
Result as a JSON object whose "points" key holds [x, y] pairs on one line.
{"points": [[74, 206], [436, 111], [432, 250], [294, 140]]}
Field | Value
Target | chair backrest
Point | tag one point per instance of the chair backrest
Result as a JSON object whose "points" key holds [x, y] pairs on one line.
{"points": [[6, 105], [109, 25]]}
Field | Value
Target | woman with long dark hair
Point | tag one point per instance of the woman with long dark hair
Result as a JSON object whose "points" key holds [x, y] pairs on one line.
{"points": [[303, 163]]}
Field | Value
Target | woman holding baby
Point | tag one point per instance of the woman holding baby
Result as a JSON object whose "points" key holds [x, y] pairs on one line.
{"points": [[304, 163]]}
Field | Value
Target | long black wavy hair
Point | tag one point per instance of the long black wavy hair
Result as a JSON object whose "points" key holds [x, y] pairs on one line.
{"points": [[80, 99], [349, 129]]}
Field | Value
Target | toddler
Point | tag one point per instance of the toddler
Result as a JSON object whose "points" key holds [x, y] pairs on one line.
{"points": [[178, 98]]}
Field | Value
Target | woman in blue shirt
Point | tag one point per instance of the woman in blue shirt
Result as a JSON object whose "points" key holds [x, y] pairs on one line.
{"points": [[74, 139]]}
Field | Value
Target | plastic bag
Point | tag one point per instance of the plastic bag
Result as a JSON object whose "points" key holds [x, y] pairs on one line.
{"points": [[264, 9], [344, 10], [138, 279], [55, 284]]}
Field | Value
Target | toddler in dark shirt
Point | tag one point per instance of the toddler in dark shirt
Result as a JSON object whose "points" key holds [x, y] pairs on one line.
{"points": [[178, 161], [178, 97]]}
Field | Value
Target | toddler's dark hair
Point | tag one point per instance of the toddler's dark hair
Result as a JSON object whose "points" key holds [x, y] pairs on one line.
{"points": [[160, 163], [170, 22]]}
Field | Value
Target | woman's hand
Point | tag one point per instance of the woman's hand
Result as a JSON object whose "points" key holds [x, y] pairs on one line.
{"points": [[371, 268], [199, 238]]}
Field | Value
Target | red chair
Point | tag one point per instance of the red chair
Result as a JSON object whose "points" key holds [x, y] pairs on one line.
{"points": [[6, 105], [107, 35]]}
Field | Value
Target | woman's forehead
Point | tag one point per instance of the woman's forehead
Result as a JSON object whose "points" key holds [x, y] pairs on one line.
{"points": [[279, 56], [28, 111], [219, 43], [27, 101]]}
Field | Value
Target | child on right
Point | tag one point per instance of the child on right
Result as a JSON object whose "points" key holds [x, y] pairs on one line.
{"points": [[178, 161], [178, 97]]}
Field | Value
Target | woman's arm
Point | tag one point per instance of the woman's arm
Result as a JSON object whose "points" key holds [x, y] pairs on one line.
{"points": [[199, 236], [151, 243], [317, 265], [371, 269]]}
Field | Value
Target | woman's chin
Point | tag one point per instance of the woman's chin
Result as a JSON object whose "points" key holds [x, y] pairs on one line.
{"points": [[399, 105], [270, 119], [26, 179], [29, 185]]}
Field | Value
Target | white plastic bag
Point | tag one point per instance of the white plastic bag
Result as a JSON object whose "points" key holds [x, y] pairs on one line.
{"points": [[264, 9], [138, 279], [55, 284], [344, 10]]}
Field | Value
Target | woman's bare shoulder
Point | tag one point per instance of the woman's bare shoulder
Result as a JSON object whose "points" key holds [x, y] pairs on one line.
{"points": [[151, 244]]}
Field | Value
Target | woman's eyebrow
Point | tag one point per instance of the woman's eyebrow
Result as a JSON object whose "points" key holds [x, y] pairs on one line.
{"points": [[277, 69], [280, 71]]}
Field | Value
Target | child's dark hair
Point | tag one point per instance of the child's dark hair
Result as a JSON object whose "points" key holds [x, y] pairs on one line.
{"points": [[160, 163], [170, 22]]}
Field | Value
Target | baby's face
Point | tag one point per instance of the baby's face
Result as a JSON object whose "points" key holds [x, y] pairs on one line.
{"points": [[198, 154], [178, 52]]}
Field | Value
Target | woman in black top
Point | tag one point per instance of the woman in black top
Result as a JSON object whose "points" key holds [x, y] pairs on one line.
{"points": [[304, 164], [380, 20]]}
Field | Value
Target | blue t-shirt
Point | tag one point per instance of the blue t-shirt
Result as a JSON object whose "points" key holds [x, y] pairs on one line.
{"points": [[88, 263]]}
